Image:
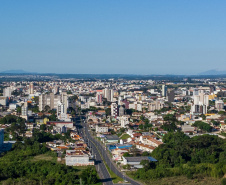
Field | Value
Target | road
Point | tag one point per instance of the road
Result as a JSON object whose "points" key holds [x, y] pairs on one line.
{"points": [[100, 166], [98, 150]]}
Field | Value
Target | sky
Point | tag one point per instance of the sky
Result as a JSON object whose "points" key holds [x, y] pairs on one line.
{"points": [[113, 36]]}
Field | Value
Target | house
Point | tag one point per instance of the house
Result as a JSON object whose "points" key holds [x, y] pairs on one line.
{"points": [[223, 127], [101, 129], [149, 140], [60, 124], [30, 125], [118, 153], [111, 139], [77, 158], [144, 147], [28, 134], [135, 161], [187, 128]]}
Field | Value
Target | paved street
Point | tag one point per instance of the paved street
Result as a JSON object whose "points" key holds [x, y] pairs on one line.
{"points": [[97, 149], [100, 166]]}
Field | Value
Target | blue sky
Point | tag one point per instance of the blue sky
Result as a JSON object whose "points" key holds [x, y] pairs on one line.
{"points": [[113, 36]]}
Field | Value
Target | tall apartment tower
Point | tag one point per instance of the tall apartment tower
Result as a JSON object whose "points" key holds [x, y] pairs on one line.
{"points": [[114, 109], [170, 95], [49, 99], [164, 90], [64, 100], [31, 88], [200, 103], [99, 97], [121, 111], [109, 94], [24, 109], [7, 92], [56, 89]]}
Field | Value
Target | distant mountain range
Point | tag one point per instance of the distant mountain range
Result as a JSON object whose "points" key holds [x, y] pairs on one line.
{"points": [[19, 71], [213, 72]]}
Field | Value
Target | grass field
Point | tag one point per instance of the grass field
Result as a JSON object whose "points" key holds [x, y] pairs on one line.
{"points": [[125, 136], [45, 157], [183, 180]]}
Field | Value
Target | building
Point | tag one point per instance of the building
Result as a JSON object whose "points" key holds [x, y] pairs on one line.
{"points": [[31, 88], [164, 90], [101, 129], [24, 109], [76, 158], [124, 121], [62, 112], [219, 105], [200, 103], [12, 106], [61, 126], [223, 127], [99, 97], [109, 94], [50, 100], [4, 101], [187, 128], [114, 109], [121, 111], [156, 105], [170, 95], [64, 101], [135, 161], [149, 140], [111, 138], [7, 92], [56, 89]]}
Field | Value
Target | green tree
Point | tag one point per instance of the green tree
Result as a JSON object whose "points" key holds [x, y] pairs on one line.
{"points": [[108, 111]]}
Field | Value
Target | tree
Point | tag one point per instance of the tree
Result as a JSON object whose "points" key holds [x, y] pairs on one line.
{"points": [[203, 126], [145, 153], [147, 164], [46, 108], [126, 154], [203, 117], [129, 111], [89, 176], [108, 111], [43, 127], [18, 109], [215, 123]]}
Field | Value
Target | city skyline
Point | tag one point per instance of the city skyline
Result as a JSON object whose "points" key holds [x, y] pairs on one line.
{"points": [[123, 37]]}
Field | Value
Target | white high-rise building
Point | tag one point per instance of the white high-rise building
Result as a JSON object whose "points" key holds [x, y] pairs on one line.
{"points": [[109, 94], [164, 90], [114, 109], [200, 103], [124, 121], [64, 100], [7, 92], [24, 109], [48, 99], [121, 111]]}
